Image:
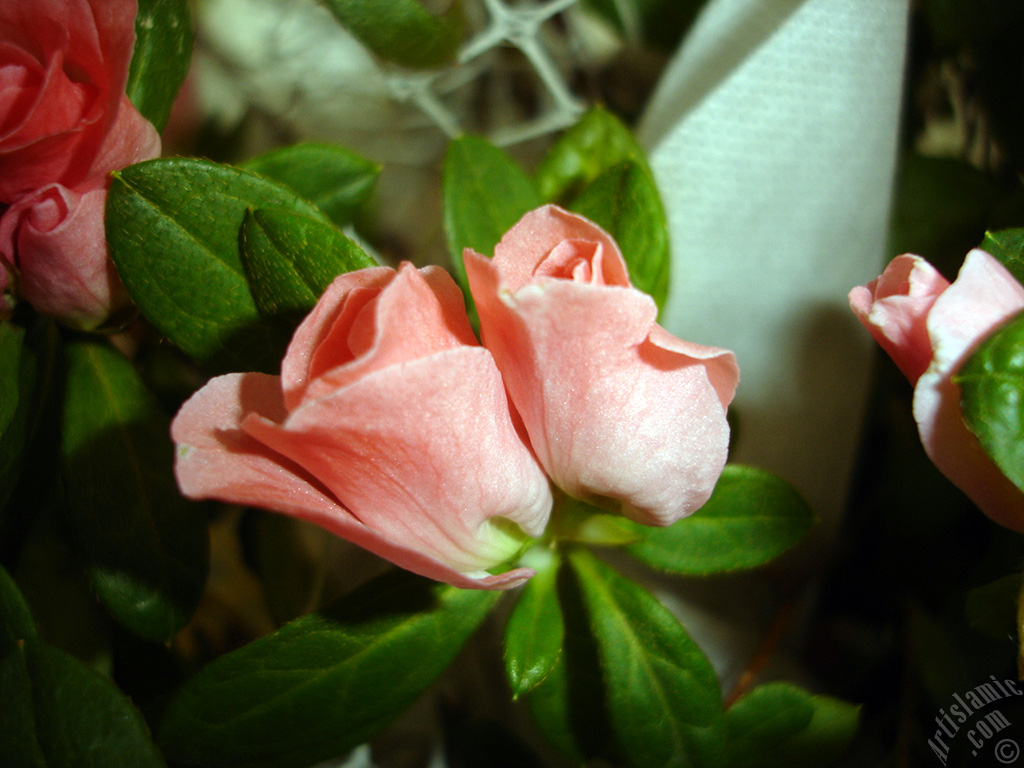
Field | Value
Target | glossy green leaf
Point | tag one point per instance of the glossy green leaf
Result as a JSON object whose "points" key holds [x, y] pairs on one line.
{"points": [[992, 397], [661, 691], [535, 629], [751, 518], [289, 260], [403, 31], [58, 713], [160, 60], [625, 202], [779, 725], [568, 704], [173, 229], [1007, 245], [596, 143], [485, 193], [335, 179], [323, 683], [145, 547], [16, 622]]}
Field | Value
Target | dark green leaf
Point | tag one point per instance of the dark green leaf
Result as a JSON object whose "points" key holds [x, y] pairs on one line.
{"points": [[485, 193], [58, 713], [751, 518], [326, 682], [335, 179], [144, 546], [1007, 245], [16, 390], [289, 260], [778, 725], [535, 630], [160, 60], [173, 229], [596, 143], [624, 201], [661, 692], [15, 618], [403, 31], [992, 397]]}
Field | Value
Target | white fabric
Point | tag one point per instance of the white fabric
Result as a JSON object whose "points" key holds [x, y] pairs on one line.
{"points": [[772, 136]]}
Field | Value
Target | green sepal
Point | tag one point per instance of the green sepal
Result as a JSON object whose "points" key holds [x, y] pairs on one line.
{"points": [[173, 230], [323, 683], [161, 57], [751, 518], [144, 547], [779, 725], [662, 694], [485, 194], [403, 31], [289, 260], [624, 201], [335, 179], [992, 397], [535, 630]]}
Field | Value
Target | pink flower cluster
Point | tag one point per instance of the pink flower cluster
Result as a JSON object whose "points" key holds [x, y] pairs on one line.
{"points": [[391, 426], [65, 124], [929, 328]]}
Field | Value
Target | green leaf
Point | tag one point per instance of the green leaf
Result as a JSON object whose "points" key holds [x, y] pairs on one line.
{"points": [[992, 397], [485, 193], [160, 60], [58, 713], [403, 31], [16, 394], [323, 683], [662, 694], [16, 622], [751, 518], [780, 725], [145, 547], [173, 230], [335, 179], [535, 629], [625, 202], [1007, 245], [661, 22], [289, 260], [596, 143]]}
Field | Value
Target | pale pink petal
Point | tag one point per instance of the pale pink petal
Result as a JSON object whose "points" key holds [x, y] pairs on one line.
{"points": [[894, 308], [615, 416], [344, 298], [525, 246], [216, 459], [421, 312], [414, 454]]}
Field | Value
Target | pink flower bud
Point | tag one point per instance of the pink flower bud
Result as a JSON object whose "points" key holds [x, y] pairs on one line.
{"points": [[619, 412], [930, 328], [389, 426]]}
